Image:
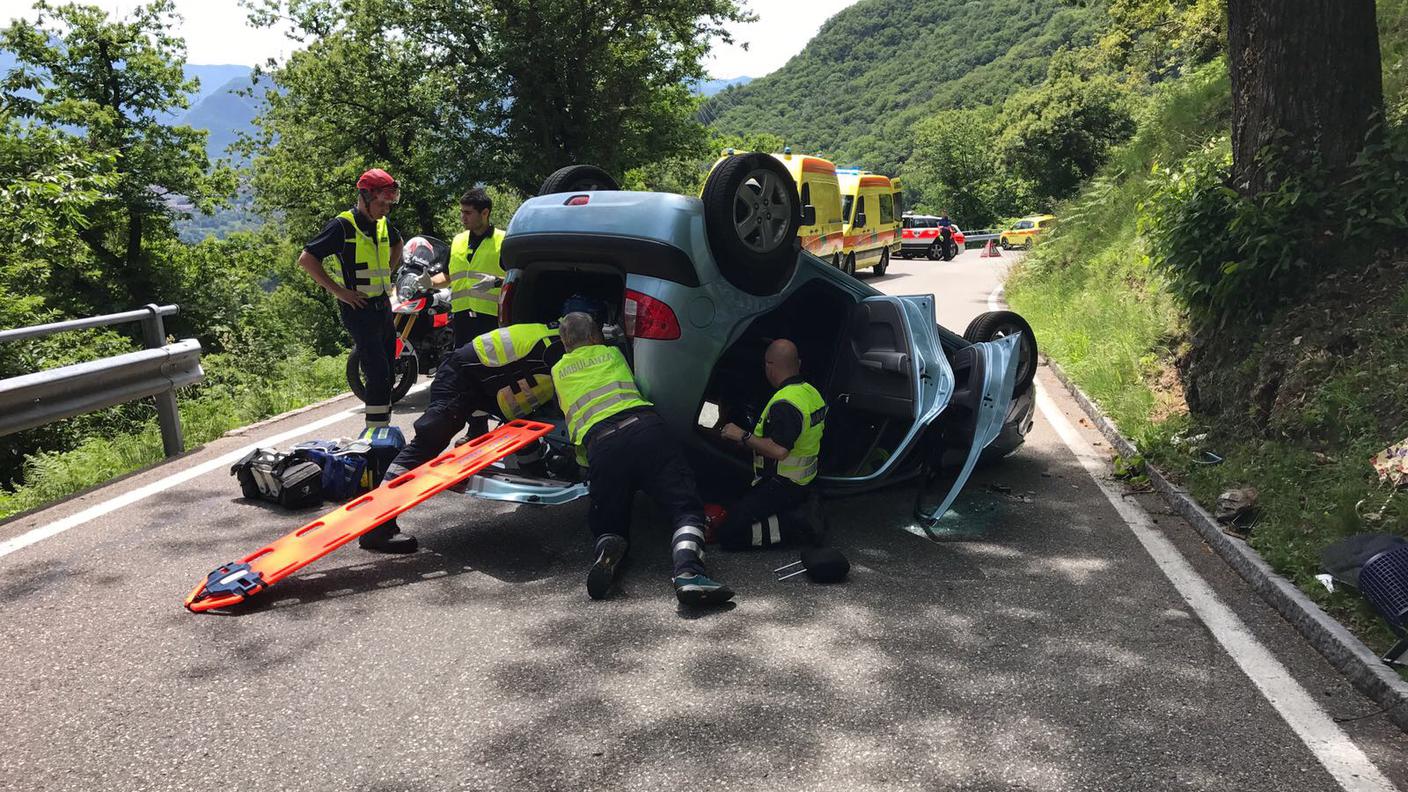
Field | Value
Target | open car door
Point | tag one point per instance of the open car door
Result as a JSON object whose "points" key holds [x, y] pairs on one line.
{"points": [[985, 376]]}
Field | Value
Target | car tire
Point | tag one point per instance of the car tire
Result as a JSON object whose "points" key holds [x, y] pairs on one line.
{"points": [[933, 253], [999, 324], [884, 262], [751, 216], [578, 178], [836, 260], [1027, 245], [851, 264]]}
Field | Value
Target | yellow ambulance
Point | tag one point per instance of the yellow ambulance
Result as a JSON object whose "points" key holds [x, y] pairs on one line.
{"points": [[817, 187], [871, 206]]}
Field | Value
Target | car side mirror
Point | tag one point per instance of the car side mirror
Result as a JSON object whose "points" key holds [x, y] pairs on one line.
{"points": [[808, 215], [860, 218]]}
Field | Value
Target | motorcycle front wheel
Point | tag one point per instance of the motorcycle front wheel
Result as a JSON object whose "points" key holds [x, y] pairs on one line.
{"points": [[404, 373]]}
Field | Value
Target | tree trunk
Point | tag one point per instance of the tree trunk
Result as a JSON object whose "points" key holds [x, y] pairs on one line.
{"points": [[1306, 74]]}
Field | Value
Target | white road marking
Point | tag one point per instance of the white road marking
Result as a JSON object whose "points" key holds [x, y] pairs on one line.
{"points": [[128, 498], [1326, 740]]}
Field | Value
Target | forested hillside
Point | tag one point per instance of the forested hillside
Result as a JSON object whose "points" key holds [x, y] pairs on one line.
{"points": [[880, 66]]}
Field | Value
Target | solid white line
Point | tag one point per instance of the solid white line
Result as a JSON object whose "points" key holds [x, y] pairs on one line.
{"points": [[128, 498], [1326, 740]]}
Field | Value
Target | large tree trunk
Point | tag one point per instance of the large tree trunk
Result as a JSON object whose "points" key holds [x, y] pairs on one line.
{"points": [[1305, 74]]}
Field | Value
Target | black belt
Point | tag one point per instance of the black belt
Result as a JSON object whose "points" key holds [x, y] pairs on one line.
{"points": [[602, 432]]}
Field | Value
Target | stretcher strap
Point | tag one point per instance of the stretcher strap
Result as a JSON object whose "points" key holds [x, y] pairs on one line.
{"points": [[234, 582]]}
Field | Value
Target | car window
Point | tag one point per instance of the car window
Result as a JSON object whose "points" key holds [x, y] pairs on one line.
{"points": [[907, 222], [930, 222], [899, 203], [1023, 224], [887, 208], [860, 207], [846, 203]]}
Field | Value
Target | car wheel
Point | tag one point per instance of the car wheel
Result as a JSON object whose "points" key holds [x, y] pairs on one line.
{"points": [[1000, 324], [933, 253], [884, 262], [1027, 245], [836, 260], [751, 215], [851, 264], [578, 178]]}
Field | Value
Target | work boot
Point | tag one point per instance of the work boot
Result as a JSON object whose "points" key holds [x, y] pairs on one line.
{"points": [[700, 590], [387, 538], [610, 549]]}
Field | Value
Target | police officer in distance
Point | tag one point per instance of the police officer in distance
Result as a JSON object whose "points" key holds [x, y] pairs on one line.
{"points": [[628, 447], [368, 250], [786, 445]]}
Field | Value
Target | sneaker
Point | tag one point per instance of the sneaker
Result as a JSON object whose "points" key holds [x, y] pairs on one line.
{"points": [[700, 590], [610, 550], [387, 538]]}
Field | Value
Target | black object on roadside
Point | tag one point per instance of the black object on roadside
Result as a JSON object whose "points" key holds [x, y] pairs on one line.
{"points": [[822, 565], [1384, 582]]}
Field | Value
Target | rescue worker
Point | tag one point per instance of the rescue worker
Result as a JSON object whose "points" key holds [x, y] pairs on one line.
{"points": [[504, 372], [627, 447], [368, 250], [786, 444], [474, 274]]}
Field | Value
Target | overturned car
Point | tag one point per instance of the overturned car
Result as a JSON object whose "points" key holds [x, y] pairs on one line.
{"points": [[700, 286]]}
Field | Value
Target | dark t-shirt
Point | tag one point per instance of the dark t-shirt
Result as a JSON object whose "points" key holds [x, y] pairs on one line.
{"points": [[329, 241]]}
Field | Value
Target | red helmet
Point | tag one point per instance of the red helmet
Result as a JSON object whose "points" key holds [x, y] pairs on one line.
{"points": [[375, 179]]}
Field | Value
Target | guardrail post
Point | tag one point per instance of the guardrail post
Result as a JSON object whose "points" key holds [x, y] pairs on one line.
{"points": [[168, 415]]}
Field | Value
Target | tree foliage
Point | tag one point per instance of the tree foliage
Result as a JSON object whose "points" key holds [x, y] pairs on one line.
{"points": [[1058, 134], [955, 168], [105, 85], [881, 66], [446, 96]]}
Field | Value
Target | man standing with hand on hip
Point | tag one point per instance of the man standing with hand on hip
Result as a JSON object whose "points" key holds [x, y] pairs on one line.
{"points": [[368, 250]]}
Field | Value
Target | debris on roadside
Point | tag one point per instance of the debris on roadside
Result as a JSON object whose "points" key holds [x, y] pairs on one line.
{"points": [[1234, 504], [1392, 463]]}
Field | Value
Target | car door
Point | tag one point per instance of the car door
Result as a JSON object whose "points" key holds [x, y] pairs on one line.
{"points": [[985, 376]]}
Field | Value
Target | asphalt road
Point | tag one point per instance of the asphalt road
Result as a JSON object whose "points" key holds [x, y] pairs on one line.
{"points": [[1041, 648]]}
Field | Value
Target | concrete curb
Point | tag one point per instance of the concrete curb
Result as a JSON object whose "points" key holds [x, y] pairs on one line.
{"points": [[1339, 646]]}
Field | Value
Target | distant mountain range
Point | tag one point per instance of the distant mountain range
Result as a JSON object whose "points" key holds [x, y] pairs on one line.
{"points": [[710, 87]]}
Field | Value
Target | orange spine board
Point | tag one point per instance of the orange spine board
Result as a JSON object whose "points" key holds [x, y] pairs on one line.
{"points": [[292, 552]]}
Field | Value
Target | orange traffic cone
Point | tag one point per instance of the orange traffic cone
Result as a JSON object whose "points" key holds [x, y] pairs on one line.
{"points": [[991, 250]]}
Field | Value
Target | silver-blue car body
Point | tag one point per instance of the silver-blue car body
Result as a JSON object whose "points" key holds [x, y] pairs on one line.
{"points": [[909, 400]]}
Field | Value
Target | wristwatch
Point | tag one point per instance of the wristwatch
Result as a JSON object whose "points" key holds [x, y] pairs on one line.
{"points": [[744, 439]]}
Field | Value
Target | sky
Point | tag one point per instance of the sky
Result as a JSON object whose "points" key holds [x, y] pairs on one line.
{"points": [[218, 32]]}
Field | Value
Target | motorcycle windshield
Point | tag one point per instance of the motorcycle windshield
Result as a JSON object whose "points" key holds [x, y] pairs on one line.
{"points": [[999, 379]]}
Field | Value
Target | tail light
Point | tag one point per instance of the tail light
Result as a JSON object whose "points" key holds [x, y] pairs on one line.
{"points": [[647, 317], [505, 298]]}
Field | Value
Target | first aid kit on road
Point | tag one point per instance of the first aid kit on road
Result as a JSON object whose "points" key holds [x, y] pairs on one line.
{"points": [[232, 583]]}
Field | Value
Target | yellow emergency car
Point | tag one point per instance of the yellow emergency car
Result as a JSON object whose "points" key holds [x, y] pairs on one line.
{"points": [[1025, 231]]}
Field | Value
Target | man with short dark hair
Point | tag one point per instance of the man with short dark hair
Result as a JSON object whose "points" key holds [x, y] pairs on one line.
{"points": [[368, 250], [474, 274], [627, 447]]}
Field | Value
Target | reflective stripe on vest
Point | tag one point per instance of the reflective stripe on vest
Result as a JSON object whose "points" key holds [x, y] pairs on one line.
{"points": [[469, 288], [800, 464], [594, 383], [523, 397], [371, 265], [507, 344]]}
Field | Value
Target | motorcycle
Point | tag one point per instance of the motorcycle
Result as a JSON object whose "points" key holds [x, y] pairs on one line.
{"points": [[425, 333]]}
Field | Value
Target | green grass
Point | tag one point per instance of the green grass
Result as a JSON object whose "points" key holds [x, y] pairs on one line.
{"points": [[207, 411], [1101, 312]]}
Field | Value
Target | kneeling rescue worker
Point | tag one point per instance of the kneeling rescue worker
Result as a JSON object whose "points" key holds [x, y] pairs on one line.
{"points": [[503, 372], [628, 447], [786, 444]]}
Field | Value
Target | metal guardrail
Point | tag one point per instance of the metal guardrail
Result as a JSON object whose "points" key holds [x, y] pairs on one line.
{"points": [[981, 235], [43, 397]]}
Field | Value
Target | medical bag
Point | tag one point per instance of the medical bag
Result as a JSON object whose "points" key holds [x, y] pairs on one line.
{"points": [[286, 479]]}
